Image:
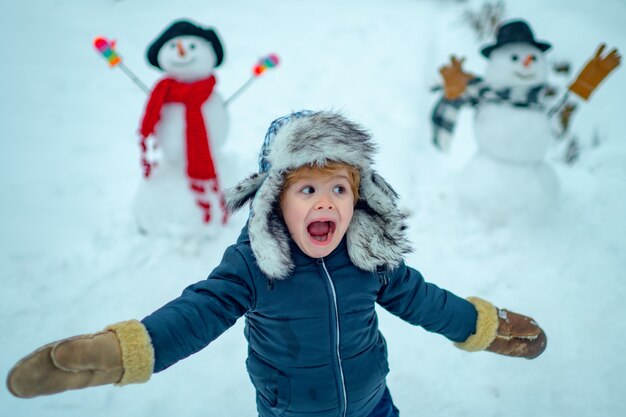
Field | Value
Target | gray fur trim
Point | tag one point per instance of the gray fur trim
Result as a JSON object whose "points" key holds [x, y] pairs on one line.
{"points": [[269, 237], [320, 138], [237, 196], [376, 236]]}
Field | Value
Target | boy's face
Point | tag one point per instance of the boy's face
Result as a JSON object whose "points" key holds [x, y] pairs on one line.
{"points": [[317, 210]]}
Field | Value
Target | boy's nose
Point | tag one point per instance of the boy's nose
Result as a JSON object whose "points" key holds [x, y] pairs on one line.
{"points": [[324, 204]]}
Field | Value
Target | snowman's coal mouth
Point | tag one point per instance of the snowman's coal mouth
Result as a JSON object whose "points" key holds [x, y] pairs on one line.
{"points": [[321, 231], [182, 63], [524, 76]]}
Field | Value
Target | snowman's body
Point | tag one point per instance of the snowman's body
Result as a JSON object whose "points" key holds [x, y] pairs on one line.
{"points": [[165, 204], [512, 134], [170, 132], [509, 175]]}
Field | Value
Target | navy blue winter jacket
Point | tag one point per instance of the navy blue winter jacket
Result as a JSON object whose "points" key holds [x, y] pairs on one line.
{"points": [[314, 345]]}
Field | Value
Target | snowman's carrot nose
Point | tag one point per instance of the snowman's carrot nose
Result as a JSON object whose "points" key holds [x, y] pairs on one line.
{"points": [[181, 49], [527, 60]]}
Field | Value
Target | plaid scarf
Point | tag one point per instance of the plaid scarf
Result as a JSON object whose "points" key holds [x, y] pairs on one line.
{"points": [[446, 112]]}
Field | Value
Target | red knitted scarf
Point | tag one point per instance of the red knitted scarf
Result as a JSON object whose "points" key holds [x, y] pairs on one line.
{"points": [[192, 95]]}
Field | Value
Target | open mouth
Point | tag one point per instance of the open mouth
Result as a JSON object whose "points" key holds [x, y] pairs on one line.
{"points": [[321, 232]]}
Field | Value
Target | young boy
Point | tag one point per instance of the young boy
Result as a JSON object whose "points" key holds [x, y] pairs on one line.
{"points": [[323, 244]]}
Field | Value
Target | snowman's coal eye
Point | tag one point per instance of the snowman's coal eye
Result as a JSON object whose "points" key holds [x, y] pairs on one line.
{"points": [[192, 46], [533, 58], [172, 45], [514, 58]]}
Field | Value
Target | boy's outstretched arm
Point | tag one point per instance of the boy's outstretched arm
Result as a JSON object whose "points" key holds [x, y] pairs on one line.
{"points": [[473, 324], [131, 351]]}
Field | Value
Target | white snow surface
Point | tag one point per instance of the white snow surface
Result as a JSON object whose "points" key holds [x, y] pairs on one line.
{"points": [[71, 260]]}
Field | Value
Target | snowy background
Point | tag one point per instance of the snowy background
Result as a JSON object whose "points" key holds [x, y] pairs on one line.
{"points": [[72, 262]]}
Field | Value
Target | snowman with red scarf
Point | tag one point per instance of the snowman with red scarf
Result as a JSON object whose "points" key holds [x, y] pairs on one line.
{"points": [[183, 128]]}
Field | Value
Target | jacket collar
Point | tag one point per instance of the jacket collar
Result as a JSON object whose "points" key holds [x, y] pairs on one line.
{"points": [[338, 256]]}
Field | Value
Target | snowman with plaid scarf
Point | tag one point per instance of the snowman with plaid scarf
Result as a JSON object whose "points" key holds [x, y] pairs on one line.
{"points": [[182, 131], [517, 114]]}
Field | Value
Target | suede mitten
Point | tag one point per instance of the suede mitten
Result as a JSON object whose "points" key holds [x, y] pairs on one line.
{"points": [[120, 355], [504, 332], [596, 70], [454, 78]]}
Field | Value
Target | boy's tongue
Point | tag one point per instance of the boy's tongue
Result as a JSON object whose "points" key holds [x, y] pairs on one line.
{"points": [[319, 228]]}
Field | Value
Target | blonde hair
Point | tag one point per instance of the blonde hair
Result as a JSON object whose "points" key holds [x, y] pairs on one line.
{"points": [[330, 169]]}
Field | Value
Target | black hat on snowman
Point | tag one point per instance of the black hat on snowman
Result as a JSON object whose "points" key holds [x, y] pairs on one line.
{"points": [[516, 31], [184, 28]]}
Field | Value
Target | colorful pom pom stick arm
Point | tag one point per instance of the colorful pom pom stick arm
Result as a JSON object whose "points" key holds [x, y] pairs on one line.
{"points": [[107, 50], [265, 63]]}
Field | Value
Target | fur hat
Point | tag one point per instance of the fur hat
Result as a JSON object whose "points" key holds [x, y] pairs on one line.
{"points": [[376, 235]]}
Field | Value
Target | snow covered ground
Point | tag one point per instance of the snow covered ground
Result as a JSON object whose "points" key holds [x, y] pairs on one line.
{"points": [[72, 262]]}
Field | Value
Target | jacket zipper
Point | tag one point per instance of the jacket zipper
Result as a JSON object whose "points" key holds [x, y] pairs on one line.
{"points": [[337, 337]]}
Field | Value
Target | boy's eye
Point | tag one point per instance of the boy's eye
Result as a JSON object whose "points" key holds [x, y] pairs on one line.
{"points": [[307, 190], [339, 189]]}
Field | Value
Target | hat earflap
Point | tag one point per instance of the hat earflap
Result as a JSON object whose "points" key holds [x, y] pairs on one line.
{"points": [[268, 233], [237, 196], [376, 236]]}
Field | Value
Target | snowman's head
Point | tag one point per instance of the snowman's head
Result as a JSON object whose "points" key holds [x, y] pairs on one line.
{"points": [[187, 58], [186, 51], [517, 64]]}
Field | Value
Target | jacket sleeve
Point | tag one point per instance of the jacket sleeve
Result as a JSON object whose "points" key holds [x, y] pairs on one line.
{"points": [[407, 295], [203, 311]]}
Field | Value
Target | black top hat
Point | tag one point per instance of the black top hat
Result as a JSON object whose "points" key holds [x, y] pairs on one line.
{"points": [[514, 31], [181, 28]]}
